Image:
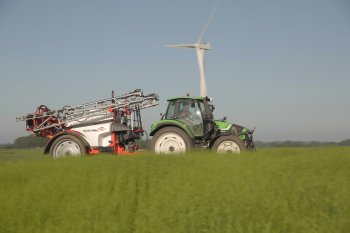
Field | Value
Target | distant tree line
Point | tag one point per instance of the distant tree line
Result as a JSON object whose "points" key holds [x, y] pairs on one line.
{"points": [[26, 142], [344, 143], [32, 141], [301, 143], [144, 144]]}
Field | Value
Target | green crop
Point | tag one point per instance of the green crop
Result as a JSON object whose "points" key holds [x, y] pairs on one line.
{"points": [[271, 190]]}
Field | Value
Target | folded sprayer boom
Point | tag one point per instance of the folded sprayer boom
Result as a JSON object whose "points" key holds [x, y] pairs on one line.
{"points": [[92, 111], [103, 123]]}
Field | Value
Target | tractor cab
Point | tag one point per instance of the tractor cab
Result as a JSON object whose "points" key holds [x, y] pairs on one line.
{"points": [[194, 112]]}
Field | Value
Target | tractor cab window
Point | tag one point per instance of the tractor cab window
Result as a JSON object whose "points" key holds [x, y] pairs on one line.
{"points": [[170, 113], [190, 111]]}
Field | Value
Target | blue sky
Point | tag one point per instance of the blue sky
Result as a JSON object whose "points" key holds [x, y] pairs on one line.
{"points": [[282, 66]]}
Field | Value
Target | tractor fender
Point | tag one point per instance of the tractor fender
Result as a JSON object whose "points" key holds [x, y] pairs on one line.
{"points": [[172, 123], [68, 132], [212, 141], [232, 131]]}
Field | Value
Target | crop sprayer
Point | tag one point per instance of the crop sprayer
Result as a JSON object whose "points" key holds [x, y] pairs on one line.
{"points": [[111, 124]]}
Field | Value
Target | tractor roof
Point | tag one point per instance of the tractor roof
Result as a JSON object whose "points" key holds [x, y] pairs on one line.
{"points": [[187, 97]]}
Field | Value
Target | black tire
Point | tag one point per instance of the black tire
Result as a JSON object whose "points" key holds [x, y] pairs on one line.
{"points": [[228, 144], [171, 140], [67, 145]]}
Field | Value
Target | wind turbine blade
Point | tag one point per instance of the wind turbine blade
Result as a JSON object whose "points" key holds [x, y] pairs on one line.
{"points": [[209, 20], [182, 46], [205, 46]]}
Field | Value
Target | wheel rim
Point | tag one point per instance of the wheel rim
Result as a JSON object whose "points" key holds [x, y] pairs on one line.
{"points": [[228, 147], [170, 143], [67, 148]]}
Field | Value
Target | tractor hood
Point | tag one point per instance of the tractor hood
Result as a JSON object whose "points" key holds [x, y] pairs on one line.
{"points": [[239, 130], [223, 125]]}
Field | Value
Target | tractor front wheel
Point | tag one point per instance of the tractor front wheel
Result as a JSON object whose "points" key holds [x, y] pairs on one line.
{"points": [[228, 144], [67, 145], [171, 140]]}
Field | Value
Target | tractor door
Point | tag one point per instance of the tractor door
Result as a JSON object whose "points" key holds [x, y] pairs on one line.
{"points": [[190, 112]]}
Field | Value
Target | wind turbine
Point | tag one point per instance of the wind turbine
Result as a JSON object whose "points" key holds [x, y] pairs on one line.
{"points": [[200, 49]]}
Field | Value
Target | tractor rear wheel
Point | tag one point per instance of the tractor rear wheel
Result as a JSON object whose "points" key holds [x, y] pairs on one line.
{"points": [[171, 140], [67, 145], [228, 144]]}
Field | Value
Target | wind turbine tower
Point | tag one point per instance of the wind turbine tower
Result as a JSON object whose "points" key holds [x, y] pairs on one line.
{"points": [[200, 49]]}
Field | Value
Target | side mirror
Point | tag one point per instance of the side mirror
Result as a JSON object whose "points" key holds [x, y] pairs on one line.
{"points": [[212, 108]]}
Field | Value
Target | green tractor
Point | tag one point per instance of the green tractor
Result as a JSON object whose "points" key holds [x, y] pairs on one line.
{"points": [[189, 123]]}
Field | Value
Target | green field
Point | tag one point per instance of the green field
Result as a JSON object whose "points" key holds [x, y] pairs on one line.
{"points": [[271, 190]]}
